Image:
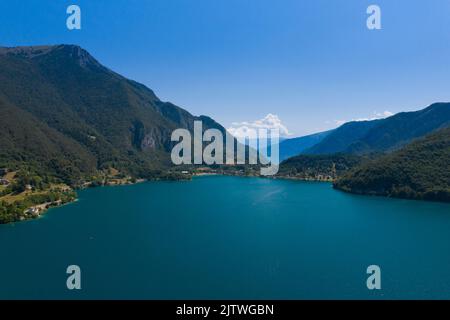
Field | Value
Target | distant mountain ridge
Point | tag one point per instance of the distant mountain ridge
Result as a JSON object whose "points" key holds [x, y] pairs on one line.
{"points": [[294, 146], [360, 137], [63, 112]]}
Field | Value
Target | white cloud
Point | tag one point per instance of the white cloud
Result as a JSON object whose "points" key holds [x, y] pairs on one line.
{"points": [[375, 116], [271, 121]]}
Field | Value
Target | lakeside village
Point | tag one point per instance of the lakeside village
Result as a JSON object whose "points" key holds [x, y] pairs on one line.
{"points": [[24, 197]]}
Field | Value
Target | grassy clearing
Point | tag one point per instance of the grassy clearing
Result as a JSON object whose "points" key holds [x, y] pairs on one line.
{"points": [[11, 198], [10, 176]]}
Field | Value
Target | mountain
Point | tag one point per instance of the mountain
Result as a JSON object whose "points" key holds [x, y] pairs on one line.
{"points": [[63, 112], [292, 147], [421, 170], [359, 137]]}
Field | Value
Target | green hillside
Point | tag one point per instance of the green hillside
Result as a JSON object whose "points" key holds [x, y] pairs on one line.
{"points": [[64, 113], [421, 170]]}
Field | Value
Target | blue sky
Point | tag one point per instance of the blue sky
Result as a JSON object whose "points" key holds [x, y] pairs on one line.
{"points": [[312, 63]]}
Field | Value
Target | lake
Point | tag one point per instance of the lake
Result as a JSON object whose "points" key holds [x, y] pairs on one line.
{"points": [[220, 237]]}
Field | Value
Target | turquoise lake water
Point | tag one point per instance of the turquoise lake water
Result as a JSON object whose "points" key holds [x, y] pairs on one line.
{"points": [[229, 238]]}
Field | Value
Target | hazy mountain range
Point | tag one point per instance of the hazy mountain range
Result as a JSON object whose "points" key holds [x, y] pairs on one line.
{"points": [[406, 155], [360, 137], [387, 134], [292, 147]]}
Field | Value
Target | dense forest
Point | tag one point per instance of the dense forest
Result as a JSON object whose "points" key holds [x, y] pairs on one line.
{"points": [[421, 170]]}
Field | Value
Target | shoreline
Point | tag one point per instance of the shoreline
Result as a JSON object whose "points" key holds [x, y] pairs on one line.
{"points": [[39, 210], [300, 179]]}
